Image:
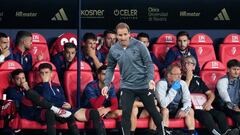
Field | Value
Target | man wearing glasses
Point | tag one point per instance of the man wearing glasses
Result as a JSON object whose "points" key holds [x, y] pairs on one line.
{"points": [[215, 121], [174, 97]]}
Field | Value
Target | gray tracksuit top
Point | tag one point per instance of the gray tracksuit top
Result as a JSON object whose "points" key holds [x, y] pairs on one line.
{"points": [[135, 64]]}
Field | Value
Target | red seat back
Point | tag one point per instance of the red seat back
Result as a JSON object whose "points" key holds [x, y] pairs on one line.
{"points": [[58, 45], [156, 74], [230, 49], [39, 47], [212, 72], [164, 42], [134, 35], [70, 80], [34, 76], [116, 79], [203, 45], [5, 69]]}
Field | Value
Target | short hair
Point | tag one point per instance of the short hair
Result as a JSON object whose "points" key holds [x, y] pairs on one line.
{"points": [[233, 63], [22, 34], [170, 68], [108, 32], [122, 25], [194, 61], [45, 65], [142, 34], [16, 72], [3, 35], [69, 45], [100, 69], [89, 35], [183, 33]]}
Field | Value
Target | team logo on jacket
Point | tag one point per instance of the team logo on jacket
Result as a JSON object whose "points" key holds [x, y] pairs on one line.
{"points": [[26, 59], [58, 90]]}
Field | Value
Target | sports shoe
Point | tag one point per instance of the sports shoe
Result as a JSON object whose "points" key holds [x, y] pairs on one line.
{"points": [[234, 131], [63, 113], [168, 132]]}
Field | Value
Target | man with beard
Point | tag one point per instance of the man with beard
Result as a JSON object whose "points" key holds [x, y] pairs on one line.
{"points": [[21, 51], [182, 49], [5, 52], [109, 39]]}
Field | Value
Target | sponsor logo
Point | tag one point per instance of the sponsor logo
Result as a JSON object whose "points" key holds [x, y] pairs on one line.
{"points": [[26, 14], [222, 16], [11, 65], [168, 39], [35, 38], [60, 16], [189, 14], [214, 64], [201, 39], [154, 14], [126, 13], [92, 13], [235, 39]]}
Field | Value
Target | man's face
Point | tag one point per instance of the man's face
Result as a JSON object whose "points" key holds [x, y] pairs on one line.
{"points": [[234, 72], [69, 54], [123, 36], [188, 65], [110, 39], [27, 42], [101, 76], [19, 79], [4, 43], [174, 75], [46, 73], [144, 40], [183, 42], [91, 43]]}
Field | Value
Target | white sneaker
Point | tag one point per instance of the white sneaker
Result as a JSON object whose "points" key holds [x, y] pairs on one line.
{"points": [[63, 113]]}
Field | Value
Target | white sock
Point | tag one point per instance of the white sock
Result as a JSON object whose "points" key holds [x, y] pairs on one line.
{"points": [[55, 109]]}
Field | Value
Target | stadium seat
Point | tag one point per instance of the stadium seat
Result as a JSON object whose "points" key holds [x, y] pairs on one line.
{"points": [[34, 76], [39, 47], [230, 48], [58, 45], [134, 35], [70, 85], [5, 69], [156, 74], [70, 80], [116, 79], [203, 45], [161, 47], [212, 71]]}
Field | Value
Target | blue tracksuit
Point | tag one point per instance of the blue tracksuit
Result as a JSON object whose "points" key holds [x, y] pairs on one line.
{"points": [[174, 54], [24, 58]]}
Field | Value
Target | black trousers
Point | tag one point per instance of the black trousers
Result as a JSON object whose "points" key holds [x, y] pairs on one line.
{"points": [[51, 122], [210, 118], [50, 116], [234, 115], [37, 99], [127, 99]]}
